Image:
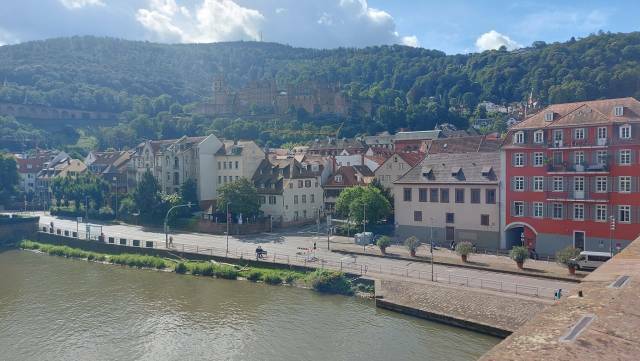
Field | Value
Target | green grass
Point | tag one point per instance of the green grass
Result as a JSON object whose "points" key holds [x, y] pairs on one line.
{"points": [[329, 282]]}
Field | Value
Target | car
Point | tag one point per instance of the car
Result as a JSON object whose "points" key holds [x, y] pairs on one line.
{"points": [[591, 260]]}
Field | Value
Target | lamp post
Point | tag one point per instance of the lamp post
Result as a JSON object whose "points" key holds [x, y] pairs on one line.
{"points": [[612, 227], [431, 240], [115, 181], [166, 220], [86, 208], [228, 221]]}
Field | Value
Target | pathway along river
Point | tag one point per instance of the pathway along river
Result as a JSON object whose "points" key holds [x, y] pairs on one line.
{"points": [[53, 308]]}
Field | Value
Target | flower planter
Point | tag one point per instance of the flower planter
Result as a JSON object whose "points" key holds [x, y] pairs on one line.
{"points": [[464, 258], [412, 253], [520, 264], [572, 270]]}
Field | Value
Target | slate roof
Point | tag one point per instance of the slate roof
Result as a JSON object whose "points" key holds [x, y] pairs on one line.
{"points": [[349, 177], [463, 145], [583, 113], [439, 168], [332, 143]]}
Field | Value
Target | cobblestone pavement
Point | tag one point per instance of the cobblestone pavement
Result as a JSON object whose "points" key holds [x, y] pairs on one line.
{"points": [[477, 306]]}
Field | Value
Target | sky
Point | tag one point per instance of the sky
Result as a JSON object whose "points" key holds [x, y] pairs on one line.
{"points": [[452, 26]]}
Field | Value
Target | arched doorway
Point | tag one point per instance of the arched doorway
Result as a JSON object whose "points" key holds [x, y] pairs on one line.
{"points": [[520, 234]]}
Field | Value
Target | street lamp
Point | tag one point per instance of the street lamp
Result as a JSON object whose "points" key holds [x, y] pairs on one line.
{"points": [[228, 221], [115, 181], [86, 208], [166, 219], [431, 240]]}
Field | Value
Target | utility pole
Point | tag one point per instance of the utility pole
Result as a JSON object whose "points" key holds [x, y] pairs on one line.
{"points": [[612, 227], [364, 217]]}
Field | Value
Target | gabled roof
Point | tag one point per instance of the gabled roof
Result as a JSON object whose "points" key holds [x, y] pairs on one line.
{"points": [[583, 113], [459, 168], [352, 175], [332, 143]]}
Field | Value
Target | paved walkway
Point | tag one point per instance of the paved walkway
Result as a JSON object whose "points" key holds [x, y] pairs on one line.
{"points": [[535, 268], [479, 309]]}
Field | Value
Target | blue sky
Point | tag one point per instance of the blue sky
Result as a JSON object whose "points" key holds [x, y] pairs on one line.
{"points": [[453, 26]]}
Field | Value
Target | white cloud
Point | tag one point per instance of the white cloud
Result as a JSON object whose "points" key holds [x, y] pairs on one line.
{"points": [[410, 41], [212, 21], [280, 10], [493, 40], [79, 4], [7, 38]]}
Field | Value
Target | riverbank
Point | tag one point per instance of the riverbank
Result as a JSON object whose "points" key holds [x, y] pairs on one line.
{"points": [[319, 280]]}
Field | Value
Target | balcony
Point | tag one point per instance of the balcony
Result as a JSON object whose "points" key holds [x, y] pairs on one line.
{"points": [[566, 167], [582, 143]]}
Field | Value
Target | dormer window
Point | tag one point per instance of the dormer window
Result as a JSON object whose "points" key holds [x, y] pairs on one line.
{"points": [[455, 171], [486, 171], [518, 138], [538, 137], [625, 131], [548, 116], [338, 178], [618, 110], [427, 172]]}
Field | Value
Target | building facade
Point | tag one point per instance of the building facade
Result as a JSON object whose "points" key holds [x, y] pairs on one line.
{"points": [[451, 197], [396, 166], [572, 170]]}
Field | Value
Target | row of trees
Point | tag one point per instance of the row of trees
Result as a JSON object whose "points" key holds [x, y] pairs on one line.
{"points": [[8, 178]]}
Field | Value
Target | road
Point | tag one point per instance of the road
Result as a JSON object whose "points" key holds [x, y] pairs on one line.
{"points": [[290, 242]]}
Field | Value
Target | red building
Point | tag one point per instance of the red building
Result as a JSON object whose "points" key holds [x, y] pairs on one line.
{"points": [[569, 171]]}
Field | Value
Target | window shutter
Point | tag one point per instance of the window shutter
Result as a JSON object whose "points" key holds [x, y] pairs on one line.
{"points": [[634, 184], [548, 183], [526, 183], [513, 208], [570, 211], [591, 184], [525, 209], [633, 157], [524, 159], [547, 210], [614, 185], [513, 159], [610, 182], [513, 184]]}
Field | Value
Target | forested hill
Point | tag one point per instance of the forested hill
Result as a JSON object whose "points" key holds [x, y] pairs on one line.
{"points": [[108, 74]]}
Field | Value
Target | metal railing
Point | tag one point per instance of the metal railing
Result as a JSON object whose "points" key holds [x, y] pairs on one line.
{"points": [[362, 269]]}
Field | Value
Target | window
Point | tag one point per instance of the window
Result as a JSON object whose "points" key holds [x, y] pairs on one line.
{"points": [[625, 132], [490, 196], [578, 212], [601, 184], [578, 184], [538, 209], [422, 194], [407, 194], [295, 199], [219, 179], [538, 184], [417, 216], [602, 133], [444, 195], [624, 214], [459, 195], [224, 165], [236, 164], [578, 157], [219, 165], [618, 110], [338, 178], [557, 137], [624, 184], [518, 184], [518, 209], [300, 183], [601, 157], [578, 134], [624, 157], [307, 184], [484, 219], [225, 179], [538, 136], [272, 199], [230, 164], [601, 212], [557, 210], [558, 184], [475, 195], [548, 116], [291, 185], [312, 198], [433, 195], [518, 137], [538, 159], [262, 200], [304, 198], [450, 217], [518, 159]]}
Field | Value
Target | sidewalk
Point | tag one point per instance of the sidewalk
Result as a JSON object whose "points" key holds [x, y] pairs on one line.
{"points": [[532, 268]]}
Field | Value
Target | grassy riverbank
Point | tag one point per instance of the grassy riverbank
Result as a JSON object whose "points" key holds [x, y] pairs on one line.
{"points": [[320, 280]]}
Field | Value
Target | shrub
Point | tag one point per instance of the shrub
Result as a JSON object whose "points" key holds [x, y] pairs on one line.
{"points": [[290, 277], [226, 272], [202, 269], [254, 275], [330, 282], [181, 268], [464, 248], [383, 242], [272, 278], [412, 244], [519, 254], [566, 255], [138, 261]]}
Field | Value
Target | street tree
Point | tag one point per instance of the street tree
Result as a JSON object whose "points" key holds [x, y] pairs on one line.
{"points": [[356, 201], [8, 177], [242, 195], [189, 193], [146, 196]]}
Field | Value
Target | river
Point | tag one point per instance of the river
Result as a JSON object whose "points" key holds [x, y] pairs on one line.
{"points": [[53, 308]]}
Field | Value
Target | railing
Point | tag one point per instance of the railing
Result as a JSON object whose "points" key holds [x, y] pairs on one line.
{"points": [[578, 167], [311, 261]]}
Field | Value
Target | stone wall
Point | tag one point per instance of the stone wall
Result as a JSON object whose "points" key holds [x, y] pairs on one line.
{"points": [[16, 229]]}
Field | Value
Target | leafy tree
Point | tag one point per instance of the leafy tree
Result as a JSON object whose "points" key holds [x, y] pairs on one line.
{"points": [[146, 196], [8, 177], [189, 193], [354, 202], [242, 197]]}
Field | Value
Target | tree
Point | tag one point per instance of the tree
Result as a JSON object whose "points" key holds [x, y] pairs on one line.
{"points": [[354, 202], [242, 196], [189, 194], [8, 177], [146, 196]]}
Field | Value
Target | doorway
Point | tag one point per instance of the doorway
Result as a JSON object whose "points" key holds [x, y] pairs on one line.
{"points": [[578, 239], [450, 234]]}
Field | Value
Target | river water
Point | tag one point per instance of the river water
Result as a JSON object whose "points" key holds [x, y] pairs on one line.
{"points": [[53, 308]]}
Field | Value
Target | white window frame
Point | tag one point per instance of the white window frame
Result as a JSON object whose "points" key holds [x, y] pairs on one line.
{"points": [[538, 184], [602, 133], [518, 209], [538, 136], [538, 209], [578, 157], [624, 184], [602, 184], [518, 184], [601, 213], [518, 137], [553, 211], [548, 116], [618, 110], [518, 159], [579, 134], [538, 159], [625, 154], [602, 156], [578, 212], [627, 211], [578, 183], [625, 132], [558, 181]]}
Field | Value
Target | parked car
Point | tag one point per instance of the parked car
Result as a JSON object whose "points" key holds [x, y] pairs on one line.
{"points": [[591, 260]]}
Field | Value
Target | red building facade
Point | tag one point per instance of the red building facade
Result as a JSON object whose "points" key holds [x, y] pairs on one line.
{"points": [[571, 171]]}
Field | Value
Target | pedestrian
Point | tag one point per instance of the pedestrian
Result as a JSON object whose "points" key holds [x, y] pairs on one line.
{"points": [[170, 241], [314, 245]]}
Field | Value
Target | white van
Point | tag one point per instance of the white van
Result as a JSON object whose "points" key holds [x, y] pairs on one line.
{"points": [[591, 260]]}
